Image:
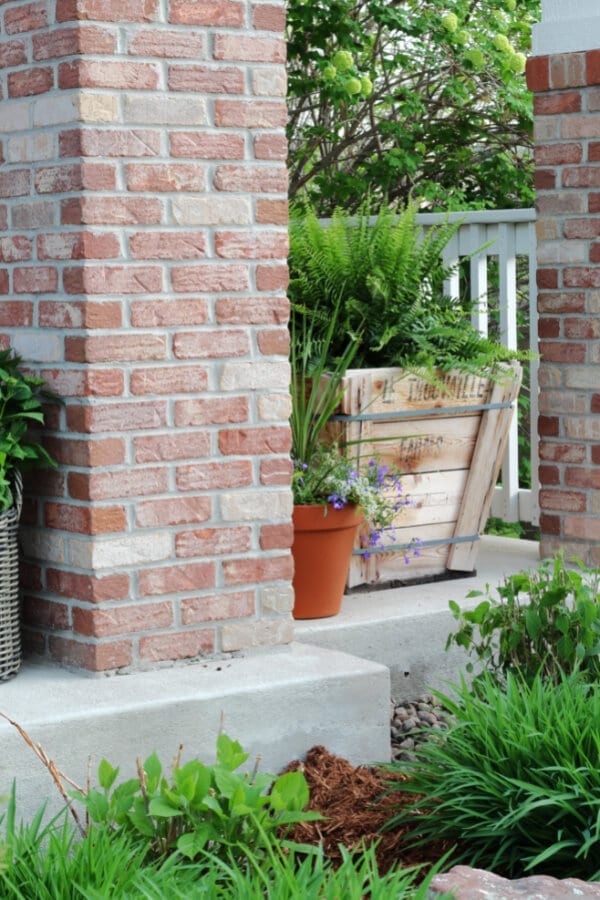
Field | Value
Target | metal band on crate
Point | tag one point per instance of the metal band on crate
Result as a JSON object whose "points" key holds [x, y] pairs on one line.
{"points": [[412, 546], [418, 413]]}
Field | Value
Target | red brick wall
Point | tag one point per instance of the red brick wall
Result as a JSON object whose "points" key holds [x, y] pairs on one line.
{"points": [[567, 155], [143, 241]]}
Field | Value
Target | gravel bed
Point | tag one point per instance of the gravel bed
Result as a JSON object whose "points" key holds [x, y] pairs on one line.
{"points": [[412, 722]]}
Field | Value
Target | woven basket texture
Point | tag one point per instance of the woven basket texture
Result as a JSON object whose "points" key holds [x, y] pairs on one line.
{"points": [[10, 613]]}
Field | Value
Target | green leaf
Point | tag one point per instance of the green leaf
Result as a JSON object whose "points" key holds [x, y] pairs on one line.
{"points": [[106, 775], [290, 792], [161, 809], [229, 753]]}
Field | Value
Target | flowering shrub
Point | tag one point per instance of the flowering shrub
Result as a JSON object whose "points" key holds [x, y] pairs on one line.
{"points": [[329, 478]]}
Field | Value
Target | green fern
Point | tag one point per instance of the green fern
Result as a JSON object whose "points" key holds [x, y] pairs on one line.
{"points": [[384, 278]]}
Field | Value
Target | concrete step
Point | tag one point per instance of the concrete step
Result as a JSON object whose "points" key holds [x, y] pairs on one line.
{"points": [[405, 628], [277, 704]]}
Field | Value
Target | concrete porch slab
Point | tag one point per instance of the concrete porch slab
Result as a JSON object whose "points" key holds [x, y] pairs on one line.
{"points": [[277, 704], [405, 628]]}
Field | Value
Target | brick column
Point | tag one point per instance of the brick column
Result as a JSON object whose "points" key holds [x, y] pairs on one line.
{"points": [[143, 214], [567, 154]]}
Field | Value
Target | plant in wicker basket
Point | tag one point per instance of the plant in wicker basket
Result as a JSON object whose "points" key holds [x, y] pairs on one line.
{"points": [[21, 399]]}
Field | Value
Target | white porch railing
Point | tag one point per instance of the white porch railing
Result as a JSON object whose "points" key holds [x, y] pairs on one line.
{"points": [[511, 236]]}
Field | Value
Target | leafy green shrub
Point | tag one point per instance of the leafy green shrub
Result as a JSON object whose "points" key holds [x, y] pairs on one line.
{"points": [[516, 780], [202, 807], [547, 621], [383, 282], [20, 405]]}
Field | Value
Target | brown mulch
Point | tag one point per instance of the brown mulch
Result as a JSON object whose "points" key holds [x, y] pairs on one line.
{"points": [[350, 798]]}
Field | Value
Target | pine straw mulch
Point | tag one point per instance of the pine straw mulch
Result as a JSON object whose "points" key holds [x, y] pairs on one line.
{"points": [[352, 799]]}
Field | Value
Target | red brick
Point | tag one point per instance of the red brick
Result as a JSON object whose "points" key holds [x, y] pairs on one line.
{"points": [[35, 280], [15, 314], [276, 278], [274, 342], [213, 411], [111, 211], [592, 60], [61, 314], [563, 203], [272, 212], [271, 146], [165, 447], [594, 151], [78, 245], [237, 605], [544, 179], [254, 179], [177, 511], [180, 645], [87, 454], [113, 280], [249, 245], [15, 183], [207, 542], [209, 277], [168, 380], [567, 501], [250, 113], [276, 471], [69, 41], [254, 441], [550, 524], [557, 154], [94, 657], [269, 18], [129, 416], [117, 485], [27, 82], [87, 587], [15, 249], [562, 452], [595, 252], [581, 228], [211, 344], [145, 313], [177, 579], [549, 475], [174, 177], [257, 571], [567, 70], [546, 278], [84, 383], [276, 537], [538, 73], [594, 203], [158, 43], [12, 54], [45, 613], [114, 143], [249, 48], [97, 74], [596, 454], [85, 520], [581, 176], [214, 476], [252, 310], [562, 352], [581, 277], [548, 328], [33, 214], [115, 348], [548, 426], [222, 13], [595, 403], [74, 177], [205, 80], [582, 527], [28, 17], [168, 245], [201, 145], [582, 477], [557, 103], [107, 10], [586, 329], [568, 302], [122, 619]]}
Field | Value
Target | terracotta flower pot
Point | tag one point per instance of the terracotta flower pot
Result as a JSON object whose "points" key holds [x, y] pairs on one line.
{"points": [[323, 540]]}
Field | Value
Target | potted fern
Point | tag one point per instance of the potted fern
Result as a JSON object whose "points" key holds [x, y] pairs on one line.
{"points": [[21, 399], [424, 388]]}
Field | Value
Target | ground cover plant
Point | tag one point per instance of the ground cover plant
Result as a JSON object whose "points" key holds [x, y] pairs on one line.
{"points": [[515, 782]]}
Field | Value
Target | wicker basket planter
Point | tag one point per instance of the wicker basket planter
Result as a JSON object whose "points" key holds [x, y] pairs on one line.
{"points": [[10, 618]]}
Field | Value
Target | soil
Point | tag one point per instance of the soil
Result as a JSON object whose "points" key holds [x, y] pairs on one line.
{"points": [[356, 807]]}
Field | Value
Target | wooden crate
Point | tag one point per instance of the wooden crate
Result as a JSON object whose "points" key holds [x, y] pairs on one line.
{"points": [[448, 443]]}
